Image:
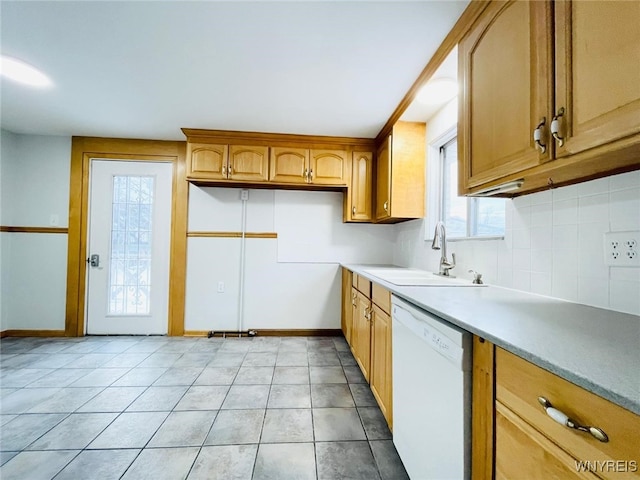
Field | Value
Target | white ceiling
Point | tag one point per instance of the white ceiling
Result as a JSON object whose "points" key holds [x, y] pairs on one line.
{"points": [[145, 69]]}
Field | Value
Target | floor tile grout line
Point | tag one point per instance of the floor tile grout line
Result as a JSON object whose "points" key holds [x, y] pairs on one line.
{"points": [[320, 362]]}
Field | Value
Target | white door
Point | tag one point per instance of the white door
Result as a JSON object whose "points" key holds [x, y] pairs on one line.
{"points": [[128, 247]]}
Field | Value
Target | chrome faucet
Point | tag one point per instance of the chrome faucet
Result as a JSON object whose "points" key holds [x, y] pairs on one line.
{"points": [[440, 243]]}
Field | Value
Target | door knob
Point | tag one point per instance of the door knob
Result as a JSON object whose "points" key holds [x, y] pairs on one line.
{"points": [[94, 260]]}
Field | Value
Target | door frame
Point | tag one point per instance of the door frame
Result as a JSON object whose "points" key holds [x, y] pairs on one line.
{"points": [[83, 149]]}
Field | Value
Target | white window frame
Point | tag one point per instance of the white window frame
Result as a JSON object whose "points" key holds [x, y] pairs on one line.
{"points": [[434, 190]]}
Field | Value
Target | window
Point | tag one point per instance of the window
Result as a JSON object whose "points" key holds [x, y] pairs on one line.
{"points": [[465, 216], [130, 273]]}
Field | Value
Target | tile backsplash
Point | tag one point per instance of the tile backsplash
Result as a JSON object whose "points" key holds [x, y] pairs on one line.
{"points": [[553, 244]]}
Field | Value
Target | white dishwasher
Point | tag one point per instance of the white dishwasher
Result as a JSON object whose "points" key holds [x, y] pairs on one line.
{"points": [[431, 394]]}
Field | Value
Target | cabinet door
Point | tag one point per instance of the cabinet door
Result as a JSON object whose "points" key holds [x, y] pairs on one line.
{"points": [[361, 186], [381, 360], [289, 165], [327, 167], [597, 72], [207, 161], [383, 180], [348, 302], [523, 452], [355, 315], [506, 67], [248, 163], [362, 327]]}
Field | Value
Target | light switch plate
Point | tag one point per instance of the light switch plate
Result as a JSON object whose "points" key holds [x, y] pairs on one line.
{"points": [[621, 249]]}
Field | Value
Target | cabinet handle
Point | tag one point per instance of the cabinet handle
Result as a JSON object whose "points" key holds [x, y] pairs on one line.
{"points": [[555, 127], [305, 174], [537, 135], [311, 175], [386, 207], [230, 168], [224, 170], [353, 210], [563, 419]]}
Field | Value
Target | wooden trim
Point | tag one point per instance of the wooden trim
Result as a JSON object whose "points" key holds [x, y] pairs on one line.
{"points": [[459, 30], [268, 139], [203, 182], [233, 234], [32, 333], [303, 332], [482, 409], [311, 332], [14, 229], [83, 149], [196, 333]]}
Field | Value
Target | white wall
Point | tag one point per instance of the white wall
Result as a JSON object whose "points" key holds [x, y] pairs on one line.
{"points": [[292, 282], [34, 182], [554, 241]]}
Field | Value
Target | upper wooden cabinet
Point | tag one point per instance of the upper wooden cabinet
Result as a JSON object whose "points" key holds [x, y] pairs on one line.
{"points": [[248, 163], [504, 101], [300, 165], [561, 105], [400, 178], [289, 165], [359, 200], [285, 161], [207, 161], [224, 162], [597, 73]]}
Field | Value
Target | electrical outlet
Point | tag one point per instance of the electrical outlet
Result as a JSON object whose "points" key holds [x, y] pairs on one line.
{"points": [[244, 194], [621, 249], [220, 287]]}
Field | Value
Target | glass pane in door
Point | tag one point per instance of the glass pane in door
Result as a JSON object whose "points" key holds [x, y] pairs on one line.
{"points": [[131, 225]]}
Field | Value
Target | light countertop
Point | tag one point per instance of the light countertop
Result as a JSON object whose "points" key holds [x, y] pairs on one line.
{"points": [[594, 348]]}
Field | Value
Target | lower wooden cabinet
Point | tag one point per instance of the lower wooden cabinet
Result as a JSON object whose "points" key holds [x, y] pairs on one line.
{"points": [[523, 452], [380, 378], [366, 324], [513, 437], [348, 302], [361, 333]]}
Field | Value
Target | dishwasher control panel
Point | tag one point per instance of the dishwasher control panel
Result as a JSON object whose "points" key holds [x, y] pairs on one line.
{"points": [[434, 338]]}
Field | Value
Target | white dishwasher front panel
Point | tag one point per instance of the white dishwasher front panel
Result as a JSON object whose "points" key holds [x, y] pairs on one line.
{"points": [[431, 395]]}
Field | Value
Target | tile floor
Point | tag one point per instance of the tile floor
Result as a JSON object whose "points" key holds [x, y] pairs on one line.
{"points": [[197, 408]]}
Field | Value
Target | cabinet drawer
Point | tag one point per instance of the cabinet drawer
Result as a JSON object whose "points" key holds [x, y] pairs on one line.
{"points": [[523, 452], [362, 284], [519, 384], [381, 297]]}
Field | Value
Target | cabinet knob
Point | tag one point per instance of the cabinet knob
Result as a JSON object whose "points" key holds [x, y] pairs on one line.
{"points": [[563, 419], [386, 207], [555, 127], [538, 134]]}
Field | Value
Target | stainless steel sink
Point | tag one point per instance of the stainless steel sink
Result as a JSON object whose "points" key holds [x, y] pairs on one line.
{"points": [[415, 277]]}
